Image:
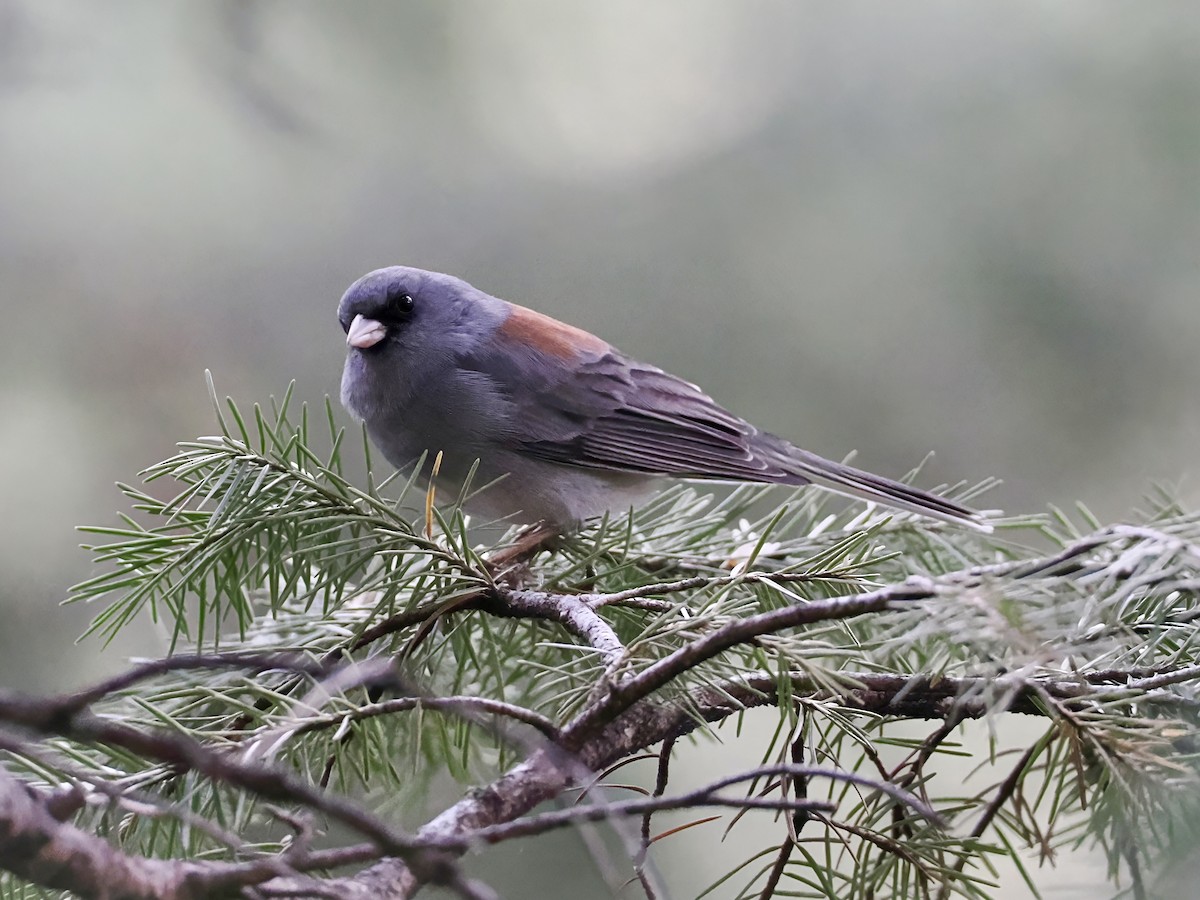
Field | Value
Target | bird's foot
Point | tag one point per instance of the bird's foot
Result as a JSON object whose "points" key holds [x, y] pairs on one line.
{"points": [[511, 563]]}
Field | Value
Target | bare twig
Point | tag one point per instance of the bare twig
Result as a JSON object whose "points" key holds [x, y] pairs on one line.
{"points": [[269, 782], [1003, 793], [708, 795], [122, 795], [43, 850], [660, 788], [454, 704], [624, 694], [250, 663], [777, 870]]}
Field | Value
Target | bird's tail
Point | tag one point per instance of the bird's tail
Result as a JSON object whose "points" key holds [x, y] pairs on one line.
{"points": [[848, 480]]}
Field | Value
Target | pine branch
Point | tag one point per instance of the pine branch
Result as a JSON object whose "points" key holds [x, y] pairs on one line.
{"points": [[322, 635]]}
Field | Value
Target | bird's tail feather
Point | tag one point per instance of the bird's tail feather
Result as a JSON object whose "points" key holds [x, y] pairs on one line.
{"points": [[857, 483]]}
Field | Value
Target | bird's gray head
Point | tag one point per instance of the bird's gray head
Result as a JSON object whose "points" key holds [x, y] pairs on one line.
{"points": [[404, 325]]}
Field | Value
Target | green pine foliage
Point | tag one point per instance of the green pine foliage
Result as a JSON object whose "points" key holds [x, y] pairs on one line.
{"points": [[254, 541]]}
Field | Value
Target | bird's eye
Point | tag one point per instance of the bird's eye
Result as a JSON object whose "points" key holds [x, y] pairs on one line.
{"points": [[400, 304]]}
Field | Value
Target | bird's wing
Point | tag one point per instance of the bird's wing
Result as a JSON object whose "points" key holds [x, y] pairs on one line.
{"points": [[580, 402], [599, 409]]}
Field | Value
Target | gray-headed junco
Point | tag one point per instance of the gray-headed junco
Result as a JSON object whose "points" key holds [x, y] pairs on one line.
{"points": [[566, 425]]}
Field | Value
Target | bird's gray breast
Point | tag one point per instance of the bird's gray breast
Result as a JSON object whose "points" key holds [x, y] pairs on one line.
{"points": [[466, 417]]}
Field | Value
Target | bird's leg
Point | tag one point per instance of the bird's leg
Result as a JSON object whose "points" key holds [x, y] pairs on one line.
{"points": [[525, 547]]}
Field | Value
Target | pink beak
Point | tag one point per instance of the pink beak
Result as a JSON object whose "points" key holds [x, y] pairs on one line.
{"points": [[364, 332]]}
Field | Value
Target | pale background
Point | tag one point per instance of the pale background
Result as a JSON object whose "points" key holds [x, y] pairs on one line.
{"points": [[971, 228]]}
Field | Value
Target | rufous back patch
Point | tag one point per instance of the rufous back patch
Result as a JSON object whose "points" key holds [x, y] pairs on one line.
{"points": [[548, 335]]}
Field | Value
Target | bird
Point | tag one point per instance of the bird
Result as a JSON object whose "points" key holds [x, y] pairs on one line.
{"points": [[555, 422]]}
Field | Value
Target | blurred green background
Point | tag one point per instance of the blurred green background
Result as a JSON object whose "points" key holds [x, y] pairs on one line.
{"points": [[971, 228]]}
